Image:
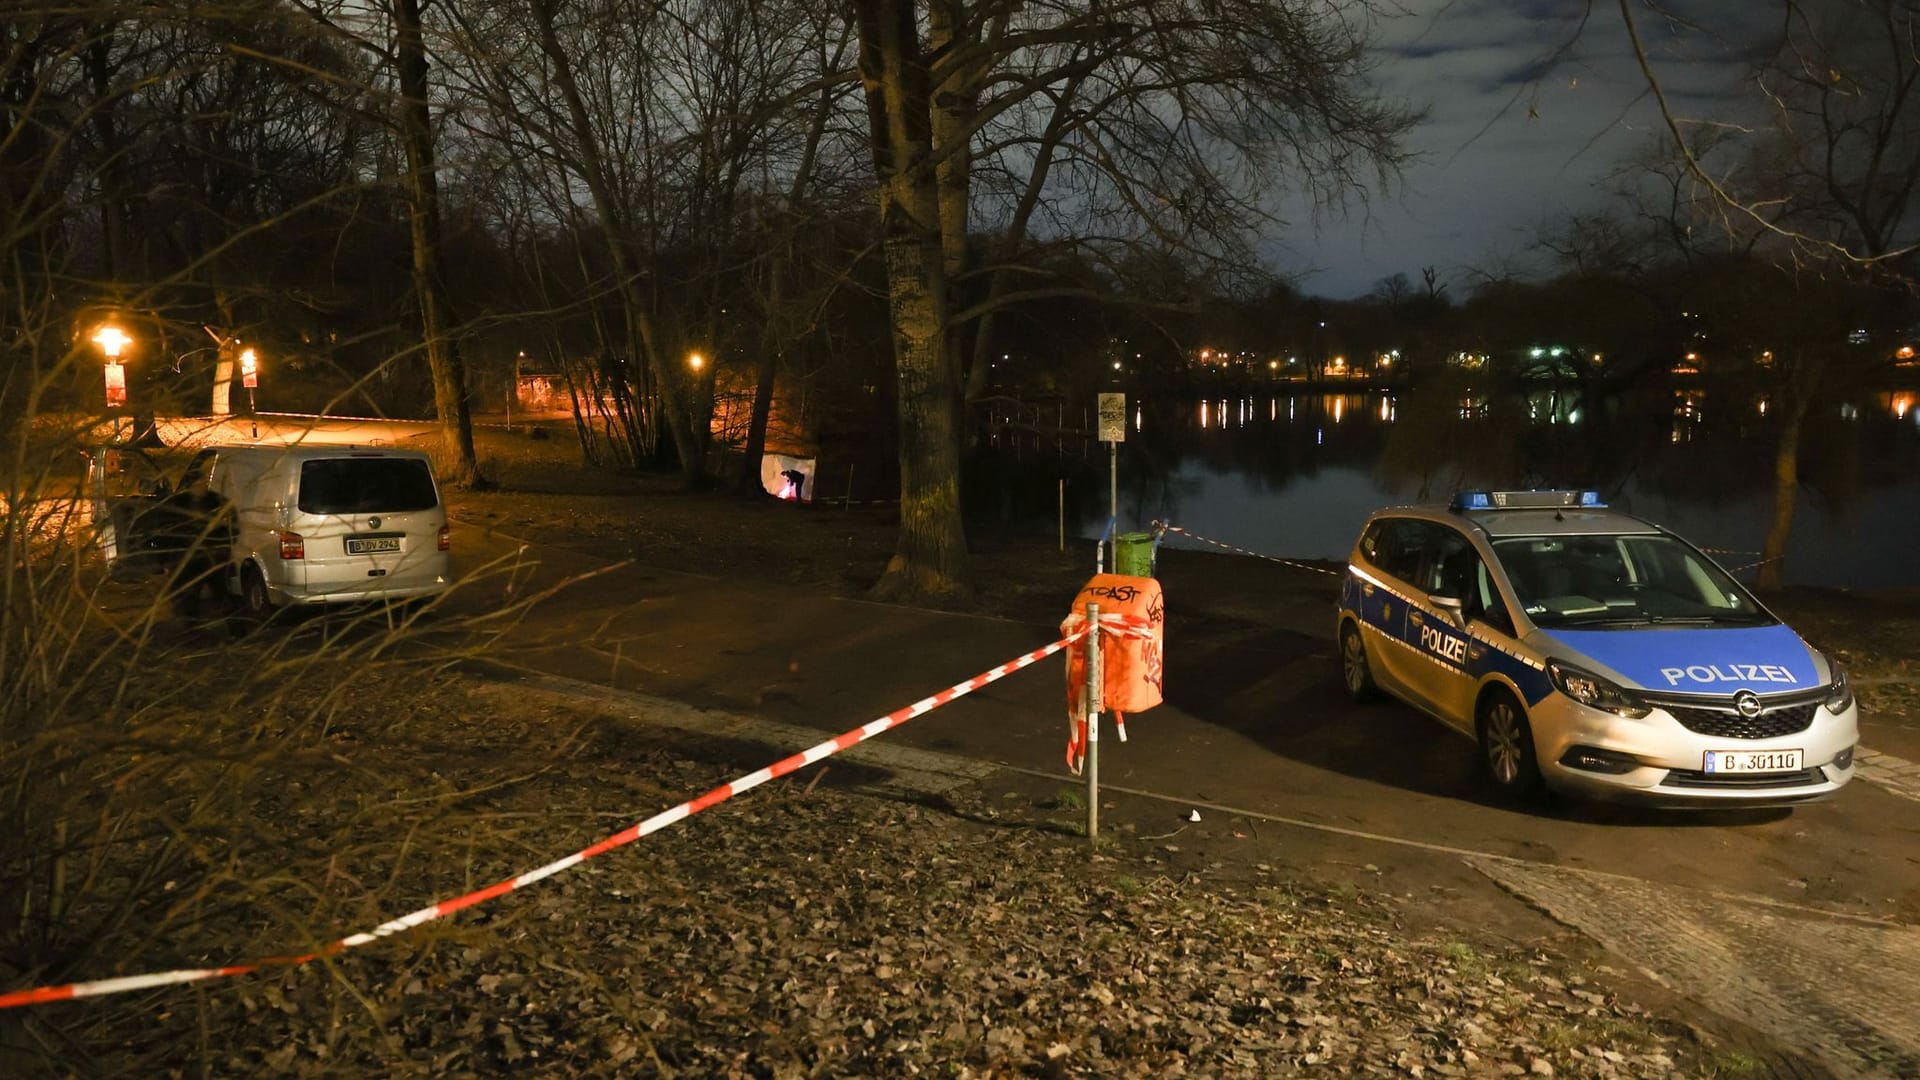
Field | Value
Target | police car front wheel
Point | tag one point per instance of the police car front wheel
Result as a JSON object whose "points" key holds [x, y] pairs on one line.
{"points": [[1506, 745]]}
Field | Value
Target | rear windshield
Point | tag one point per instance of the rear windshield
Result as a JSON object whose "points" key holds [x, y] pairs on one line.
{"points": [[366, 486]]}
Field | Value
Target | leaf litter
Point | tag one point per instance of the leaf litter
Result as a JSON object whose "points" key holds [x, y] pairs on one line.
{"points": [[807, 930]]}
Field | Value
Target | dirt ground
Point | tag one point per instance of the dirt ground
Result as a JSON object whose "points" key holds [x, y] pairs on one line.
{"points": [[816, 927]]}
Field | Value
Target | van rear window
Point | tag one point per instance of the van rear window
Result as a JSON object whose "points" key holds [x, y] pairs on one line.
{"points": [[366, 486]]}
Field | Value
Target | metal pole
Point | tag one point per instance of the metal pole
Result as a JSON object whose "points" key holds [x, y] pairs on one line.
{"points": [[1063, 513], [1095, 681], [846, 504], [1113, 502]]}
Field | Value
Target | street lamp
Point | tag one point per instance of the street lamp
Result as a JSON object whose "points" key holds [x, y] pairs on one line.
{"points": [[250, 378], [112, 341], [696, 361]]}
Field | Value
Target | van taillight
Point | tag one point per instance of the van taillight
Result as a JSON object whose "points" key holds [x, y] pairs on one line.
{"points": [[446, 539], [292, 545]]}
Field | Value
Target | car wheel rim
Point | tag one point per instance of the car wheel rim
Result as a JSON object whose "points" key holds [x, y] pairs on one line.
{"points": [[1356, 661], [1503, 743]]}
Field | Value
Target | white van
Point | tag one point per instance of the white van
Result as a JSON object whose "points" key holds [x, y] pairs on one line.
{"points": [[328, 524]]}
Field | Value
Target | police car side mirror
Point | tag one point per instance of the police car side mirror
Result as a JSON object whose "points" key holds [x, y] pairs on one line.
{"points": [[1452, 608]]}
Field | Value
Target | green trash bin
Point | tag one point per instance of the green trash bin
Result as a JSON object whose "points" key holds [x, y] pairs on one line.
{"points": [[1133, 554]]}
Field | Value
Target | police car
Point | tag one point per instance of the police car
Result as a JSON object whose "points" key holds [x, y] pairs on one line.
{"points": [[1592, 652]]}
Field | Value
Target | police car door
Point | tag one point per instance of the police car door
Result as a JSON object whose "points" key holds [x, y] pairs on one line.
{"points": [[1383, 607], [1442, 651]]}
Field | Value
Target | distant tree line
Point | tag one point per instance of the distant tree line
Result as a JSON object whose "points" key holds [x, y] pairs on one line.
{"points": [[400, 195]]}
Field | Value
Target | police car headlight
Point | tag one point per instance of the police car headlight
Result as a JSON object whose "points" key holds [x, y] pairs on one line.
{"points": [[1595, 692], [1839, 692]]}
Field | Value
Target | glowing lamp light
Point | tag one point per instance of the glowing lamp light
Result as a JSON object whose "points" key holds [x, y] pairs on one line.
{"points": [[111, 340], [696, 361], [249, 369]]}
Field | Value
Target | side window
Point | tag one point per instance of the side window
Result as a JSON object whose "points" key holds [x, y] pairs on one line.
{"points": [[1370, 541], [200, 467], [1449, 569], [1485, 603], [1402, 548]]}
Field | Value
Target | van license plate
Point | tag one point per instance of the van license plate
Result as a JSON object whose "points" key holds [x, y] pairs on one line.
{"points": [[372, 545], [1750, 761]]}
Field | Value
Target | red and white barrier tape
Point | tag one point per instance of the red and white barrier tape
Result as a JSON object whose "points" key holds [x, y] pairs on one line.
{"points": [[1243, 551], [1117, 623], [101, 987]]}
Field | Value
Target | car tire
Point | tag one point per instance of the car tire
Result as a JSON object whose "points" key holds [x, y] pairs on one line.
{"points": [[1506, 746], [255, 605], [1355, 670]]}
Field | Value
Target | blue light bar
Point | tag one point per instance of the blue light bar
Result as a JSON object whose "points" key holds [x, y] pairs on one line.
{"points": [[1556, 499]]}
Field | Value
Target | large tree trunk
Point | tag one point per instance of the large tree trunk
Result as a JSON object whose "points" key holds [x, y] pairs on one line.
{"points": [[931, 558], [954, 104], [450, 399]]}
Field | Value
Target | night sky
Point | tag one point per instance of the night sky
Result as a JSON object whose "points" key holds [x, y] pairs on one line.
{"points": [[1516, 138]]}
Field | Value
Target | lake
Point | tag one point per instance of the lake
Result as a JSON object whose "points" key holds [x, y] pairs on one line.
{"points": [[1293, 474]]}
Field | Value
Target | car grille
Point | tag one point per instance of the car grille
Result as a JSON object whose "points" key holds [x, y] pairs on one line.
{"points": [[1693, 778], [1725, 724]]}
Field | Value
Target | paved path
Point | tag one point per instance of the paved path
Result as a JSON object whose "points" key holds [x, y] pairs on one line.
{"points": [[1845, 993]]}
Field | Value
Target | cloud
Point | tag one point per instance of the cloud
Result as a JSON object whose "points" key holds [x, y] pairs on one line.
{"points": [[1532, 106]]}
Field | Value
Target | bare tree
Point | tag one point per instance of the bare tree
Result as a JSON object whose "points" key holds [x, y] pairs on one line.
{"points": [[931, 557], [450, 392], [1143, 125], [1826, 183]]}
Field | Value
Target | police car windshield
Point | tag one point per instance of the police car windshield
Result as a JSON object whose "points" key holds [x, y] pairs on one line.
{"points": [[1622, 581]]}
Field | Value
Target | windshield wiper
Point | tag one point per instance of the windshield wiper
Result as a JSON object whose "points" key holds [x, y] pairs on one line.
{"points": [[1643, 620]]}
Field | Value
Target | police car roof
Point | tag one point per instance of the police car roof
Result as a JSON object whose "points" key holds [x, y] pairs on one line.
{"points": [[1569, 521]]}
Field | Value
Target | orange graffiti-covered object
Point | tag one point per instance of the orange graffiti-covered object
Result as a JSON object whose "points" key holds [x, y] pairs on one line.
{"points": [[1133, 619]]}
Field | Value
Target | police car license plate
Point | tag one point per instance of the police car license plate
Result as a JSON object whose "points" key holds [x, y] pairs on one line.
{"points": [[372, 545], [1755, 761]]}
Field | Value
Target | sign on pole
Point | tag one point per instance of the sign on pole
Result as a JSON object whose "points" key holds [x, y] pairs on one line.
{"points": [[1113, 418]]}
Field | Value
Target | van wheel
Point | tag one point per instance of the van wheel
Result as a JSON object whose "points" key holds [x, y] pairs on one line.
{"points": [[1506, 746], [254, 595], [1354, 668]]}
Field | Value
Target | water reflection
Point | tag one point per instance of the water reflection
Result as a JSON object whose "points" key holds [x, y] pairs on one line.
{"points": [[1295, 473], [1688, 412]]}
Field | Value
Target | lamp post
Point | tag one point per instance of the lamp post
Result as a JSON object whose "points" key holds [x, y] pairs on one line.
{"points": [[112, 342], [250, 378]]}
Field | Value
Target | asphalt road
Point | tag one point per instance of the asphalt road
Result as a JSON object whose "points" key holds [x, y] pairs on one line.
{"points": [[1255, 718], [1797, 925]]}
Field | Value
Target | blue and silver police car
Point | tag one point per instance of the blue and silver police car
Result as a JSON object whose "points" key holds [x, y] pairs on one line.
{"points": [[1592, 652]]}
